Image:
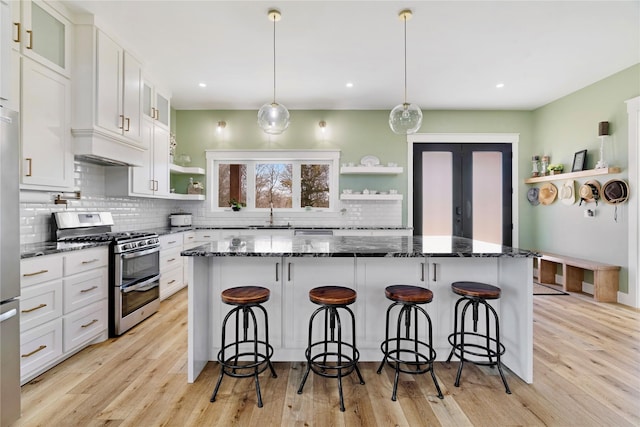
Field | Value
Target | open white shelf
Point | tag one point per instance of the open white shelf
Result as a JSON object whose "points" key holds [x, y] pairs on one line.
{"points": [[178, 196], [571, 175], [371, 170], [371, 197], [192, 170]]}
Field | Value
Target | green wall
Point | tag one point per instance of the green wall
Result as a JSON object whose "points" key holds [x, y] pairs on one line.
{"points": [[570, 124], [354, 133], [558, 129]]}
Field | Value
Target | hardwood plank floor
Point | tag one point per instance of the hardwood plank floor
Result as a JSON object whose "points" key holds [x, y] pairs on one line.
{"points": [[586, 373]]}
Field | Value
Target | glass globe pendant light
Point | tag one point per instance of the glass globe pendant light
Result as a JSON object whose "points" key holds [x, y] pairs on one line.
{"points": [[405, 118], [273, 118]]}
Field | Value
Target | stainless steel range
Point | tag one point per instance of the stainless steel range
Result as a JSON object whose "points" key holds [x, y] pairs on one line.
{"points": [[134, 265]]}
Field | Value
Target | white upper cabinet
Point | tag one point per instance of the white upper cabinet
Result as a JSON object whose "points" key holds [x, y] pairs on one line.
{"points": [[42, 34], [118, 86], [107, 112], [47, 162], [152, 179], [155, 104]]}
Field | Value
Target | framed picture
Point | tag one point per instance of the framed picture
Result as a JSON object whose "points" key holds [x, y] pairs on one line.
{"points": [[579, 161]]}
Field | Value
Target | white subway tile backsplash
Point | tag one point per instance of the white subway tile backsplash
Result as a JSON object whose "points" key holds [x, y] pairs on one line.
{"points": [[132, 213]]}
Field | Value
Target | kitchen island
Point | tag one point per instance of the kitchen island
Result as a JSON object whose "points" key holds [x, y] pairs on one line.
{"points": [[291, 266]]}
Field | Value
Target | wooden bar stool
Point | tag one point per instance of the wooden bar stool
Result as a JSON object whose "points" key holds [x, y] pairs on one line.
{"points": [[335, 358], [248, 355], [409, 355], [481, 345]]}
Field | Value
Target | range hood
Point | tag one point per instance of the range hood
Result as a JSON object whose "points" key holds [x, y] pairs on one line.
{"points": [[102, 148]]}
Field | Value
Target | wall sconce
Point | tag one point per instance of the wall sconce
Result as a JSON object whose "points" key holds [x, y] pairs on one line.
{"points": [[221, 125], [323, 126]]}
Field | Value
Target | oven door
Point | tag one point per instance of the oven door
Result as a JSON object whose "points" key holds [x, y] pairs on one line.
{"points": [[136, 290], [138, 266], [137, 295]]}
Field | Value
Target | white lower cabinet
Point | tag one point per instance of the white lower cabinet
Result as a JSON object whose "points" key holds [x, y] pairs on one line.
{"points": [[84, 324], [236, 271], [171, 265], [63, 307], [374, 275], [441, 272], [300, 275]]}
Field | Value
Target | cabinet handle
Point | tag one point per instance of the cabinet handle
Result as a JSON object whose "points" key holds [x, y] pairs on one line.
{"points": [[153, 113], [171, 260], [422, 271], [35, 274], [190, 237], [89, 324], [155, 186], [171, 282], [277, 268], [435, 266], [172, 242], [30, 160], [30, 44], [289, 271], [151, 184], [17, 37], [128, 124], [90, 261], [206, 236], [121, 122], [29, 310], [89, 289], [42, 347]]}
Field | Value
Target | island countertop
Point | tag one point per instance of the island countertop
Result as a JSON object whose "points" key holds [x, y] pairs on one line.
{"points": [[355, 246]]}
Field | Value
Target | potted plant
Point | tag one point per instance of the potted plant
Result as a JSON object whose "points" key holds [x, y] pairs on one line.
{"points": [[555, 169], [235, 205]]}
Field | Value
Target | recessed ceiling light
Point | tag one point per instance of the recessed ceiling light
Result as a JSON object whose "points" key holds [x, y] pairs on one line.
{"points": [[500, 85], [349, 84], [202, 84]]}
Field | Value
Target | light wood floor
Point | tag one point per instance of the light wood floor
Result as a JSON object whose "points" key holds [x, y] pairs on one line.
{"points": [[586, 373]]}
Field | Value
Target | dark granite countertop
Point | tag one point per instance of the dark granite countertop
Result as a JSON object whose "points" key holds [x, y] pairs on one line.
{"points": [[31, 250], [366, 246]]}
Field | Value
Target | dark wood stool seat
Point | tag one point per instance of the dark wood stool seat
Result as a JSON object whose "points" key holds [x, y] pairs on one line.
{"points": [[243, 295], [408, 294], [408, 351], [476, 290], [332, 355], [249, 352], [482, 347], [332, 295]]}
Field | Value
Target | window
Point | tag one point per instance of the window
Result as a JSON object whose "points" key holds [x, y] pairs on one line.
{"points": [[294, 180]]}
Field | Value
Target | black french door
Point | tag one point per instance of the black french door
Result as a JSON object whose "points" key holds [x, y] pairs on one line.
{"points": [[463, 190]]}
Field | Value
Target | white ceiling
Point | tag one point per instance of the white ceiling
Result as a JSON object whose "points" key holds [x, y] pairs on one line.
{"points": [[457, 50]]}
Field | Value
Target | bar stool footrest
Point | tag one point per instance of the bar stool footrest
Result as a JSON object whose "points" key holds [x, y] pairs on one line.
{"points": [[392, 360], [488, 353]]}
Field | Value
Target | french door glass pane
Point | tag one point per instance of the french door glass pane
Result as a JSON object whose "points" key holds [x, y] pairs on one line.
{"points": [[437, 193], [232, 184], [487, 196], [274, 185], [314, 182]]}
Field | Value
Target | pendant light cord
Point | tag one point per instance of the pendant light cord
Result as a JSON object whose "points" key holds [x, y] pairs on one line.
{"points": [[405, 58], [274, 59]]}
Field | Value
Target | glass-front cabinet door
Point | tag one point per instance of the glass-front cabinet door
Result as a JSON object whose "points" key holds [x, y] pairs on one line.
{"points": [[155, 105], [44, 35]]}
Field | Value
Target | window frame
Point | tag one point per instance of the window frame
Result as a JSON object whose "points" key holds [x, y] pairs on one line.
{"points": [[253, 157]]}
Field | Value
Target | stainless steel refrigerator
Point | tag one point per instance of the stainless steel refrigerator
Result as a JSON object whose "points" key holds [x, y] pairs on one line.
{"points": [[9, 268]]}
